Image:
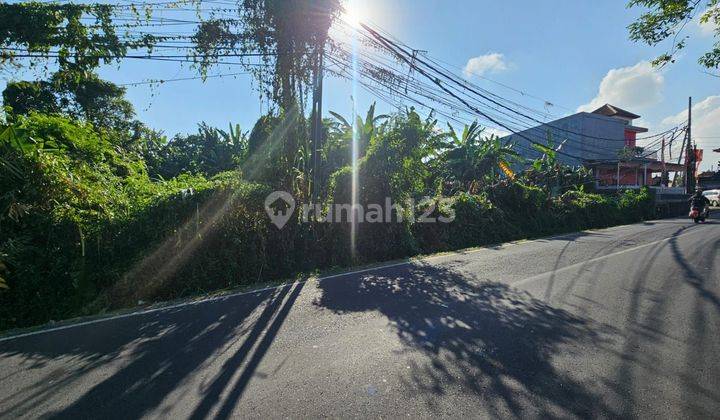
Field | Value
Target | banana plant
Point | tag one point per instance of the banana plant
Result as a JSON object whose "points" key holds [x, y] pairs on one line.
{"points": [[234, 135], [472, 159], [365, 129]]}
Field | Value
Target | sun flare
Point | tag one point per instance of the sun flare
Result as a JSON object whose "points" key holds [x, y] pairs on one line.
{"points": [[352, 14]]}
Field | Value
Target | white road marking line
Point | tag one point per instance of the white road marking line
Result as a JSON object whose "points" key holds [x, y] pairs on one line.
{"points": [[593, 260], [210, 299], [347, 273]]}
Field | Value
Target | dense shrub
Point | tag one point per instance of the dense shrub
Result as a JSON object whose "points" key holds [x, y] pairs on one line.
{"points": [[59, 182], [74, 211], [392, 169], [83, 229], [524, 212]]}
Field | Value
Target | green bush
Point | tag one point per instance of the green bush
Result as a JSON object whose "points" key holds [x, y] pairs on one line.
{"points": [[75, 212], [83, 229], [519, 211]]}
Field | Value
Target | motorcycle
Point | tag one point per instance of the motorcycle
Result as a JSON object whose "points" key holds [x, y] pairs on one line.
{"points": [[697, 214]]}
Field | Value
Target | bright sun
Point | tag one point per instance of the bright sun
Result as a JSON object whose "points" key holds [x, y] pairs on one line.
{"points": [[352, 13]]}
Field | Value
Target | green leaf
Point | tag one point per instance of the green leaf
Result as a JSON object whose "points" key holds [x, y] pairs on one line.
{"points": [[340, 118]]}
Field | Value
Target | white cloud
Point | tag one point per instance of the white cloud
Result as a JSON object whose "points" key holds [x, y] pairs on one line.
{"points": [[487, 132], [488, 63], [705, 127], [707, 28], [632, 88]]}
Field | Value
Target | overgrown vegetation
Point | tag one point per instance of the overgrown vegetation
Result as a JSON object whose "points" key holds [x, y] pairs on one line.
{"points": [[100, 212], [90, 224]]}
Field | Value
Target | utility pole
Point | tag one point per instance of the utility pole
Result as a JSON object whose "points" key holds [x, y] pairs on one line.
{"points": [[316, 127], [682, 149], [664, 174], [689, 154]]}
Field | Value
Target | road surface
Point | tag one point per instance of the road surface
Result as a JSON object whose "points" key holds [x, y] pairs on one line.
{"points": [[614, 323]]}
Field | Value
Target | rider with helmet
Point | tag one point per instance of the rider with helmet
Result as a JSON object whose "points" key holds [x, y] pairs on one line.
{"points": [[700, 201]]}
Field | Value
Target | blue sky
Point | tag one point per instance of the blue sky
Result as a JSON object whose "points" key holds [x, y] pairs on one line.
{"points": [[573, 53]]}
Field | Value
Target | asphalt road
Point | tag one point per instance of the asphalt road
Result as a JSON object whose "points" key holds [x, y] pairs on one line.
{"points": [[615, 323]]}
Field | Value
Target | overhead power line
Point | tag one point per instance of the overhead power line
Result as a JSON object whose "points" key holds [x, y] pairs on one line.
{"points": [[443, 92], [393, 48], [497, 110], [180, 79], [512, 123], [436, 76]]}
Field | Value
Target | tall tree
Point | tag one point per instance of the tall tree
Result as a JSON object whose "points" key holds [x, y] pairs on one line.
{"points": [[26, 96], [209, 151], [289, 37], [89, 98]]}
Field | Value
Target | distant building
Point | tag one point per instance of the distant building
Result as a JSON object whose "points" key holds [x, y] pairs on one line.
{"points": [[709, 180], [603, 140]]}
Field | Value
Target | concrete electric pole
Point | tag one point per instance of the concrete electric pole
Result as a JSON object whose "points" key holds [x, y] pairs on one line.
{"points": [[316, 127], [689, 155]]}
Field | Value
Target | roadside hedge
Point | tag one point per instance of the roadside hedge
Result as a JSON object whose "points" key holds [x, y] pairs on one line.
{"points": [[83, 229], [514, 211], [220, 237]]}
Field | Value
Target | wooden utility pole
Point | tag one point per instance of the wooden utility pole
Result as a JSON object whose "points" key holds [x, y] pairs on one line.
{"points": [[689, 155]]}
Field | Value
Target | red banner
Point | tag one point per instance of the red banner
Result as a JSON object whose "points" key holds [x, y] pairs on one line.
{"points": [[698, 158]]}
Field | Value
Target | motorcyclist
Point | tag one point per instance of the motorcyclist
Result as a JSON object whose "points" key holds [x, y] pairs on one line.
{"points": [[700, 201]]}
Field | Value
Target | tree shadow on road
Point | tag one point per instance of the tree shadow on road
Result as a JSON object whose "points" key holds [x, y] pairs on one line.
{"points": [[699, 278], [655, 305], [480, 338], [161, 351]]}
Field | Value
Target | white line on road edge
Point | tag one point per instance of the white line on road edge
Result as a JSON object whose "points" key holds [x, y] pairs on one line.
{"points": [[208, 300], [596, 259], [332, 276]]}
